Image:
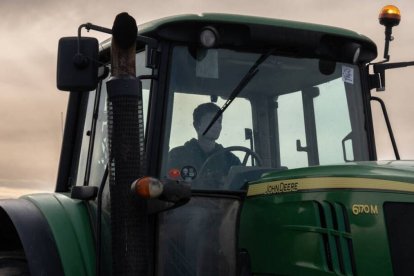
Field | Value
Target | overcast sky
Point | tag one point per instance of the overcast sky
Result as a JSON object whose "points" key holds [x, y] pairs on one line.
{"points": [[31, 108]]}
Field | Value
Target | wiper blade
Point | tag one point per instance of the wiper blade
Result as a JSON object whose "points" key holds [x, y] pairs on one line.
{"points": [[243, 82]]}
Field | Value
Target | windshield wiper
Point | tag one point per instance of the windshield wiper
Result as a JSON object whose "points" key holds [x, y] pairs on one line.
{"points": [[243, 82]]}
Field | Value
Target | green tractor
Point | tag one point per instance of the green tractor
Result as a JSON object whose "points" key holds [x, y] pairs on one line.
{"points": [[218, 145]]}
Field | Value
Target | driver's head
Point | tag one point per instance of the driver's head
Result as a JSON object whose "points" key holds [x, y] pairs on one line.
{"points": [[202, 116]]}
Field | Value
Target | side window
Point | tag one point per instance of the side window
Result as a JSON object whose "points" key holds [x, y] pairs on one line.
{"points": [[100, 154], [291, 128], [80, 177], [323, 119], [332, 123]]}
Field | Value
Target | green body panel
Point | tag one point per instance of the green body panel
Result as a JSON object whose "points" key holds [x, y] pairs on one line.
{"points": [[70, 224], [324, 231], [388, 170], [277, 23]]}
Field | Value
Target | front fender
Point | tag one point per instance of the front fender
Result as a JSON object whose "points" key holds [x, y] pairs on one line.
{"points": [[34, 233], [55, 232]]}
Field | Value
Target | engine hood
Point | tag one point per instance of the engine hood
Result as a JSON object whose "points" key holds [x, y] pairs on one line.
{"points": [[402, 171], [379, 176]]}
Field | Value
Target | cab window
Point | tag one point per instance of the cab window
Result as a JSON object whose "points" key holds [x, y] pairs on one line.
{"points": [[93, 174], [233, 116]]}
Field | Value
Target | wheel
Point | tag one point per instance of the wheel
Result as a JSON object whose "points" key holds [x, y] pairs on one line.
{"points": [[13, 264]]}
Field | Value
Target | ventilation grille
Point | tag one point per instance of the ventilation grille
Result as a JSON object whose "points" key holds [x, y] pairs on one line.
{"points": [[337, 239]]}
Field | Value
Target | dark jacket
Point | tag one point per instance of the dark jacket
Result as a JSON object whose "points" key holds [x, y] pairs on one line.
{"points": [[191, 154]]}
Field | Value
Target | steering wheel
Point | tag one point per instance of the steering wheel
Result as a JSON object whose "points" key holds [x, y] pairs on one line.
{"points": [[248, 152]]}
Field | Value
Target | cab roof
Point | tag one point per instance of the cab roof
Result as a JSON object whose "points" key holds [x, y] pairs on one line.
{"points": [[257, 33], [242, 29], [152, 26]]}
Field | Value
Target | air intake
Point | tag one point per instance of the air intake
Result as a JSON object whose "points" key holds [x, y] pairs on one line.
{"points": [[337, 238]]}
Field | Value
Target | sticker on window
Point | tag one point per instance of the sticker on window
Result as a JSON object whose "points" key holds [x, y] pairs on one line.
{"points": [[348, 74]]}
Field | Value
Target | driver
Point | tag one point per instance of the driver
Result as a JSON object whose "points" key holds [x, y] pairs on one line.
{"points": [[194, 153]]}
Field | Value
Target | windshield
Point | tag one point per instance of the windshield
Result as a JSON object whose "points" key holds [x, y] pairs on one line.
{"points": [[290, 112]]}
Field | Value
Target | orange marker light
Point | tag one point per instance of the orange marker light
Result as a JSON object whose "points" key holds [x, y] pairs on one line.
{"points": [[147, 187], [174, 174], [389, 16]]}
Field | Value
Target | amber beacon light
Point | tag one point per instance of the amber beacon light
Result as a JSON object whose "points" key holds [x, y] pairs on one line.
{"points": [[389, 16]]}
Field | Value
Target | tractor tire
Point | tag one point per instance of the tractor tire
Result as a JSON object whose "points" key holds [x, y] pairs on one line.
{"points": [[13, 264]]}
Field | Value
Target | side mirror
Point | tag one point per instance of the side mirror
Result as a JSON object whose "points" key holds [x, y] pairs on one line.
{"points": [[77, 66]]}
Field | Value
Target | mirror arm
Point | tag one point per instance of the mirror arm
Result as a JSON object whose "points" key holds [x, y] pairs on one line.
{"points": [[152, 43], [90, 26], [377, 80]]}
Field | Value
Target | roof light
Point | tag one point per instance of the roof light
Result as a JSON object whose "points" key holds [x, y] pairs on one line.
{"points": [[389, 16], [209, 37], [147, 187]]}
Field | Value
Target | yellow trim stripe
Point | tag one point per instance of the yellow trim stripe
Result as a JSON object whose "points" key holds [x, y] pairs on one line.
{"points": [[296, 185]]}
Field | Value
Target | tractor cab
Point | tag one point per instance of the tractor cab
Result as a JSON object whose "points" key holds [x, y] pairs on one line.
{"points": [[223, 101], [229, 98]]}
